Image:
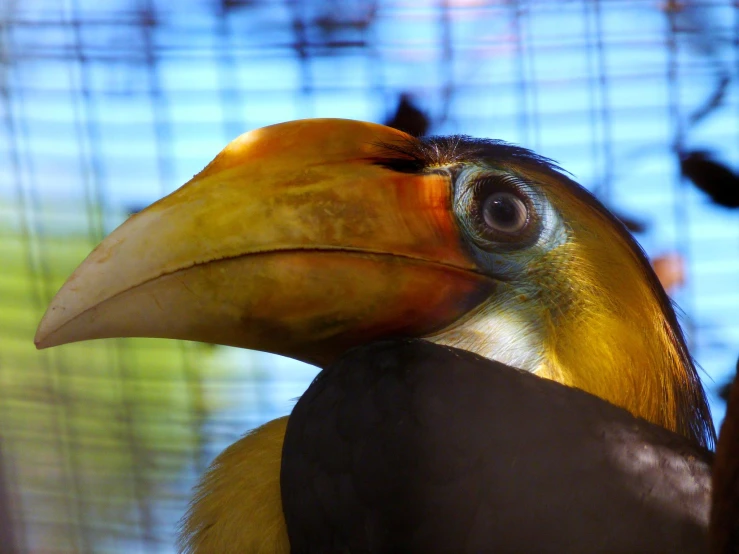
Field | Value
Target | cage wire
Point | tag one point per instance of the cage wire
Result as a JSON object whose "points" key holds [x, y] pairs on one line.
{"points": [[107, 106]]}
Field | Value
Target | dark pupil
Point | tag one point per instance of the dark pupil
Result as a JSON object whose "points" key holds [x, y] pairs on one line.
{"points": [[503, 212]]}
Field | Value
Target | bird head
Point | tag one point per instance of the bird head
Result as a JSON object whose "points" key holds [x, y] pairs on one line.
{"points": [[310, 237]]}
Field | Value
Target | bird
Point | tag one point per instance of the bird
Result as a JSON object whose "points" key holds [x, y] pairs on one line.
{"points": [[409, 446], [313, 238]]}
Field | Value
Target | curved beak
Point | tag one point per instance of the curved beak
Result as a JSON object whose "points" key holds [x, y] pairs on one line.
{"points": [[294, 240]]}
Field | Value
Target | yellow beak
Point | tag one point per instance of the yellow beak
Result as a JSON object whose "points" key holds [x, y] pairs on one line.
{"points": [[293, 240]]}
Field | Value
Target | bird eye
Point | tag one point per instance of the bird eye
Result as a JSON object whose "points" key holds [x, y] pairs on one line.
{"points": [[497, 210], [504, 212]]}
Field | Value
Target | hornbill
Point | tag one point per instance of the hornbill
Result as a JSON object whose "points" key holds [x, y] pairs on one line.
{"points": [[501, 369]]}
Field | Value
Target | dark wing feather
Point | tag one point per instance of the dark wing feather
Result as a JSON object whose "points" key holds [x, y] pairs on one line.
{"points": [[406, 446]]}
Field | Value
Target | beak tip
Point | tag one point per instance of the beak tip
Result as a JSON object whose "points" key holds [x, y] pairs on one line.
{"points": [[41, 339], [47, 328]]}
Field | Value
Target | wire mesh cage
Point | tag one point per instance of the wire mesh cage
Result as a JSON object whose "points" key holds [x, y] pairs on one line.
{"points": [[107, 106]]}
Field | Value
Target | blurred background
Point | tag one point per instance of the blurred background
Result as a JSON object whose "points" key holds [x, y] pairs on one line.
{"points": [[105, 106]]}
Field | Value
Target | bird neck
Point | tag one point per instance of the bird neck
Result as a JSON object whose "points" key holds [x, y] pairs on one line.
{"points": [[635, 362], [614, 334]]}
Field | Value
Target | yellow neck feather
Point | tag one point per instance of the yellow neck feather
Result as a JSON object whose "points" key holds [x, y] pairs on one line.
{"points": [[237, 505], [614, 332]]}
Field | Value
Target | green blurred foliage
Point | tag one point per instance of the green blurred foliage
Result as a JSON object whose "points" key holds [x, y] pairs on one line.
{"points": [[96, 433]]}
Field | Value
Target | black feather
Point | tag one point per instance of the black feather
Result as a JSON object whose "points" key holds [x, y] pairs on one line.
{"points": [[417, 155], [408, 446]]}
